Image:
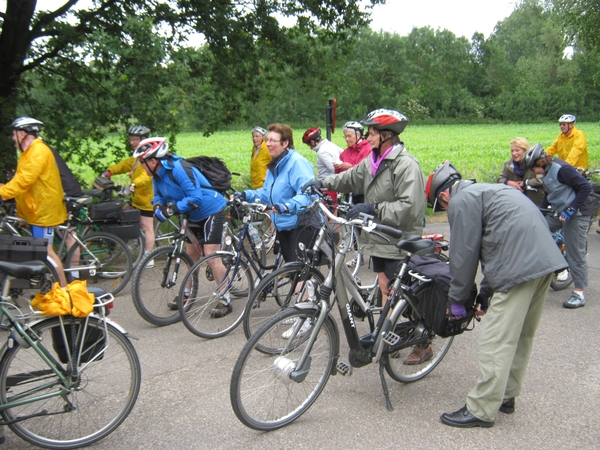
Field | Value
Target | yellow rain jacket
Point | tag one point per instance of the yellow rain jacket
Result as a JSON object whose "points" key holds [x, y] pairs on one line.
{"points": [[571, 149], [258, 165], [74, 300], [37, 188], [142, 196]]}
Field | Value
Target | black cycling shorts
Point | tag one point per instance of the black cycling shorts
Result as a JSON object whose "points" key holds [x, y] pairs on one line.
{"points": [[210, 229], [388, 266]]}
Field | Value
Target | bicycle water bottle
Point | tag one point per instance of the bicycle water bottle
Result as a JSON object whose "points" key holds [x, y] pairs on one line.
{"points": [[255, 236]]}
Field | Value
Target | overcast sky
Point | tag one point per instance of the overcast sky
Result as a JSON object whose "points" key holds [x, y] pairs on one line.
{"points": [[462, 17]]}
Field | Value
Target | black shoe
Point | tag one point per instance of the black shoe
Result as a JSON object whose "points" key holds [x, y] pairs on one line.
{"points": [[464, 419], [508, 407], [221, 310], [173, 305]]}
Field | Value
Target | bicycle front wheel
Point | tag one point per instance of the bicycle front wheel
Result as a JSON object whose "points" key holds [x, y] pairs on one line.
{"points": [[103, 260], [268, 391], [279, 290], [90, 402], [155, 285], [202, 298], [419, 350]]}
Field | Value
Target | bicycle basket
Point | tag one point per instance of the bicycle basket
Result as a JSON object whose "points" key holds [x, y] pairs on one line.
{"points": [[94, 342]]}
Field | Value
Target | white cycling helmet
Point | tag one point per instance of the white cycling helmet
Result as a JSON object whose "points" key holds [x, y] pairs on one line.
{"points": [[28, 124], [567, 118], [259, 130], [154, 147], [354, 126]]}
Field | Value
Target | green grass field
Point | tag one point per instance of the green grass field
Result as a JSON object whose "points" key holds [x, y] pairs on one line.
{"points": [[477, 151]]}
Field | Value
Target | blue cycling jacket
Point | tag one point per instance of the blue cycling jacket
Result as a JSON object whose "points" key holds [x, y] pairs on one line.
{"points": [[183, 188], [284, 185]]}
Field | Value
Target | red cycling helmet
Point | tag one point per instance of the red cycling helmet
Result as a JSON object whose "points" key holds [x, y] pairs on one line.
{"points": [[312, 134], [154, 147], [386, 120]]}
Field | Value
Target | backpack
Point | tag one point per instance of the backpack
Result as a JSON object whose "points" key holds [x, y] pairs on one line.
{"points": [[70, 185], [213, 168]]}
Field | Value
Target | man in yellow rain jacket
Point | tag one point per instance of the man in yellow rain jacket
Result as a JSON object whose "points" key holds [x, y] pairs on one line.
{"points": [[141, 188], [36, 186], [570, 145]]}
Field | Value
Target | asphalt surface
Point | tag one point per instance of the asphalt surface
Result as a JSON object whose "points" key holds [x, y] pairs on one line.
{"points": [[184, 401]]}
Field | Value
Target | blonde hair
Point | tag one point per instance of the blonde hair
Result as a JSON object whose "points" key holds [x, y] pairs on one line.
{"points": [[521, 143]]}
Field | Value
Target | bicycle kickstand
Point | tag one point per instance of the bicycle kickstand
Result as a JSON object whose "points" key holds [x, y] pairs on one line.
{"points": [[388, 403]]}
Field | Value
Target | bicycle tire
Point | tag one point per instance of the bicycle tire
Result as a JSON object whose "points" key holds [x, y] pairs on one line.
{"points": [[136, 247], [275, 292], [205, 293], [262, 395], [150, 298], [101, 400], [559, 285], [414, 337], [116, 262]]}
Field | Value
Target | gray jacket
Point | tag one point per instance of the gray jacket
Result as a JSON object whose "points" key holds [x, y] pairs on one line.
{"points": [[501, 228], [399, 190]]}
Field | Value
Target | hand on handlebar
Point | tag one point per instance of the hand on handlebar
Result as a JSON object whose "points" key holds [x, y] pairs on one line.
{"points": [[280, 208], [566, 215], [366, 208], [317, 184]]}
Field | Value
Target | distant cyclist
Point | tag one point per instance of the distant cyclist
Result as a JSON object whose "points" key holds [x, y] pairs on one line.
{"points": [[358, 149], [178, 190], [260, 158], [141, 188], [36, 186], [571, 144]]}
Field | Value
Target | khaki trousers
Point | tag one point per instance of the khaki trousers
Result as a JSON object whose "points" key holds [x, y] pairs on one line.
{"points": [[505, 345]]}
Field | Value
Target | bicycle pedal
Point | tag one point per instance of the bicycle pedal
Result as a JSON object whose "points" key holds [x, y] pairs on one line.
{"points": [[391, 338], [343, 369]]}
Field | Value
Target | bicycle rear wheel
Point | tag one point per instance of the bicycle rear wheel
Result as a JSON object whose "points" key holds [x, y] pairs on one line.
{"points": [[155, 285], [103, 260], [263, 394], [95, 402], [419, 350], [205, 293], [279, 290]]}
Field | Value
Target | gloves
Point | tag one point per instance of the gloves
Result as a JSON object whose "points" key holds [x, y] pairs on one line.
{"points": [[458, 310], [160, 212], [280, 208], [128, 190], [483, 301], [567, 214], [367, 208], [106, 174], [317, 184], [239, 197]]}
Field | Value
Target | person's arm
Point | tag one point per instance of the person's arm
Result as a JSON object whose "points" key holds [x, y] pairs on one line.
{"points": [[192, 192], [27, 174], [122, 167], [569, 176], [553, 148], [578, 150]]}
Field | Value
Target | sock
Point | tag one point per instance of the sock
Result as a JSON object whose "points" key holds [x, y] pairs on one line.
{"points": [[580, 294]]}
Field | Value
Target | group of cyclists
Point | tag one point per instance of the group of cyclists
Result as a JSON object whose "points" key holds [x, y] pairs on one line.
{"points": [[387, 184]]}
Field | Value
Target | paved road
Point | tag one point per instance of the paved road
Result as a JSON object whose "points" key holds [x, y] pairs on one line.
{"points": [[184, 401]]}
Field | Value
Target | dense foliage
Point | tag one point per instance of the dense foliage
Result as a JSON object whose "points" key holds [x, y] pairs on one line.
{"points": [[89, 72]]}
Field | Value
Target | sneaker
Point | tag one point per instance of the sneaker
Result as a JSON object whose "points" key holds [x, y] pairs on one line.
{"points": [[173, 305], [221, 310], [301, 332], [418, 356], [150, 264], [290, 321], [575, 301], [351, 263], [563, 276]]}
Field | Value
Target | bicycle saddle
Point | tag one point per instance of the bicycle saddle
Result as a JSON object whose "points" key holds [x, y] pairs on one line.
{"points": [[418, 246], [24, 269]]}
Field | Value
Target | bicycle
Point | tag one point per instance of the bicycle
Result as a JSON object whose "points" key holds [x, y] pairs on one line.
{"points": [[65, 382], [200, 293], [279, 375]]}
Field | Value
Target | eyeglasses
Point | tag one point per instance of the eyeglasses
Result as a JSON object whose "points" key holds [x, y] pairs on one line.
{"points": [[274, 141]]}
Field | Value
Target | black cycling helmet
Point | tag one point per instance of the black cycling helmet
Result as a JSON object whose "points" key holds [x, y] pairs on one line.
{"points": [[442, 177], [533, 154], [138, 130], [28, 124], [386, 120]]}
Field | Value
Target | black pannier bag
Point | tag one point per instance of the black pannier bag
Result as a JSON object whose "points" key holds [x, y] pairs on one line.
{"points": [[94, 342], [109, 211], [433, 303], [128, 228]]}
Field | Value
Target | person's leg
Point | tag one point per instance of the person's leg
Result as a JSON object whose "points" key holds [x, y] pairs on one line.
{"points": [[147, 224], [525, 343], [497, 346], [576, 242], [47, 233]]}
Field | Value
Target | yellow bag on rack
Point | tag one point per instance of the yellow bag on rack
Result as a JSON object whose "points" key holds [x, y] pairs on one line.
{"points": [[74, 300]]}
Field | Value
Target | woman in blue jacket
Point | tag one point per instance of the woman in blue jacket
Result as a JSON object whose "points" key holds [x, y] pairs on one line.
{"points": [[180, 188]]}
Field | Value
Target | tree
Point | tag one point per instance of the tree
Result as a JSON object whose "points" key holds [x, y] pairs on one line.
{"points": [[581, 18], [32, 42]]}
